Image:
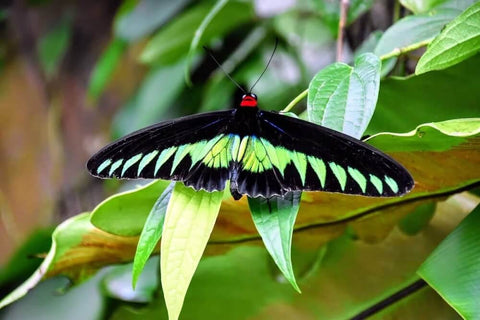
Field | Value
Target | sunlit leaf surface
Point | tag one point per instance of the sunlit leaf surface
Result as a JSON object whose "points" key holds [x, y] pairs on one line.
{"points": [[458, 41]]}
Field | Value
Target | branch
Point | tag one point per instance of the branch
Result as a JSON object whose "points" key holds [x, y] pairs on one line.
{"points": [[405, 292], [344, 4], [295, 101], [399, 51]]}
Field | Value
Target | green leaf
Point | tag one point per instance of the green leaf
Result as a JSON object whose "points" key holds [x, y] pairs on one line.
{"points": [[172, 42], [125, 213], [148, 106], [452, 269], [104, 68], [274, 219], [343, 98], [52, 47], [458, 41], [145, 17], [415, 30], [415, 221], [189, 221], [151, 233]]}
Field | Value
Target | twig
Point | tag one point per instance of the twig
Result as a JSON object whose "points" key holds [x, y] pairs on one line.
{"points": [[344, 4], [398, 51], [295, 101]]}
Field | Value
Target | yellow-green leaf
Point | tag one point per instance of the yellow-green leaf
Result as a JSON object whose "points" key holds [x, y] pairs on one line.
{"points": [[189, 221]]}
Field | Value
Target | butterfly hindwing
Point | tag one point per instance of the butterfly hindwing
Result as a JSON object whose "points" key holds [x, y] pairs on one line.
{"points": [[185, 149]]}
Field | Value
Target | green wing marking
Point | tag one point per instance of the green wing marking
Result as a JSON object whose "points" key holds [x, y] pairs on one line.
{"points": [[319, 168], [377, 183], [145, 160], [392, 184], [163, 157], [359, 178], [104, 165], [130, 162], [339, 173], [115, 166]]}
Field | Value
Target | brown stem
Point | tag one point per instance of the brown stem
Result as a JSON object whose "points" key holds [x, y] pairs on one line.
{"points": [[344, 4]]}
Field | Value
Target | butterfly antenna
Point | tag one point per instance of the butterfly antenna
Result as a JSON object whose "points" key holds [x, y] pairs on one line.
{"points": [[221, 68], [268, 63]]}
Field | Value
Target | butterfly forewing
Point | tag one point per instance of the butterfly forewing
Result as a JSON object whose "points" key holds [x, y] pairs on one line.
{"points": [[174, 149], [300, 155]]}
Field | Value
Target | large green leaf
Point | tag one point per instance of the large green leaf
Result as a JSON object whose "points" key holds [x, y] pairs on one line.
{"points": [[458, 41], [343, 98], [414, 30], [172, 42], [274, 219], [189, 221], [453, 268]]}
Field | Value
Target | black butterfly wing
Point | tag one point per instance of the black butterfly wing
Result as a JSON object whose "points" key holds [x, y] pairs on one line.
{"points": [[189, 149], [291, 154]]}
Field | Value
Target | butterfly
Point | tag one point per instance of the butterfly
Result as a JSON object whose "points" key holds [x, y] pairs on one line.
{"points": [[261, 153]]}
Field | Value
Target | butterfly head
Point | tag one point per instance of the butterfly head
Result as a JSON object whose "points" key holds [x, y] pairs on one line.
{"points": [[249, 100]]}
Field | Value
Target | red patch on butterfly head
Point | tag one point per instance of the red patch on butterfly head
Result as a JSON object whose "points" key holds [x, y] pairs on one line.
{"points": [[249, 100]]}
